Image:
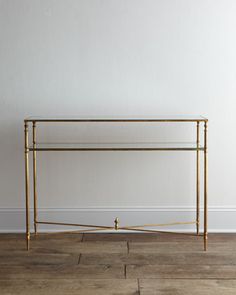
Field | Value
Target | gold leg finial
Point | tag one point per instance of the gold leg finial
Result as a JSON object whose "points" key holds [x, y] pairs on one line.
{"points": [[116, 221]]}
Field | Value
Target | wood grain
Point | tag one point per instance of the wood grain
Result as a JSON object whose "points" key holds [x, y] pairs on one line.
{"points": [[156, 237], [29, 258], [209, 258], [138, 237], [61, 271], [186, 287], [181, 247], [65, 246], [181, 271], [69, 287]]}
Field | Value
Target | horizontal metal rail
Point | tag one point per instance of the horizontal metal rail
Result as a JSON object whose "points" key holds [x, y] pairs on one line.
{"points": [[114, 149], [75, 224], [137, 228], [111, 227]]}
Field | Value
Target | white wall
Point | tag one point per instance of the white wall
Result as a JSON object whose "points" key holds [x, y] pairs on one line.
{"points": [[118, 58]]}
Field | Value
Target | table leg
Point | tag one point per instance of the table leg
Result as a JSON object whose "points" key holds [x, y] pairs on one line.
{"points": [[35, 179], [205, 185], [27, 186], [197, 181]]}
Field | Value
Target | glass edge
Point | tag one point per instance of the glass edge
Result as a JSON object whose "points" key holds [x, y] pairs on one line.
{"points": [[34, 119]]}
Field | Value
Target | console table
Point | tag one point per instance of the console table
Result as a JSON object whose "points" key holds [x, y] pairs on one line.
{"points": [[196, 147]]}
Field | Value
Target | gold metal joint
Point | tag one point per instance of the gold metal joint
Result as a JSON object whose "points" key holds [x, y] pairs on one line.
{"points": [[116, 221]]}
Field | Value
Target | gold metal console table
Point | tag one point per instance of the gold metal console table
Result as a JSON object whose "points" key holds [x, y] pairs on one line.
{"points": [[196, 147]]}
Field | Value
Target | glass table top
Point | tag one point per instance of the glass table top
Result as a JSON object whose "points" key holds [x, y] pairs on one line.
{"points": [[159, 118], [118, 146]]}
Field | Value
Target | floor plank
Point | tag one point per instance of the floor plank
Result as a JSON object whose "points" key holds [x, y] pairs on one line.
{"points": [[208, 258], [18, 243], [65, 246], [138, 237], [181, 271], [70, 287], [186, 287], [181, 247], [42, 236], [156, 237], [62, 272], [29, 258]]}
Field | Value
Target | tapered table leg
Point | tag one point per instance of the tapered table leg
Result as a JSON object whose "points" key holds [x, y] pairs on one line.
{"points": [[197, 182], [35, 178], [205, 184], [27, 186]]}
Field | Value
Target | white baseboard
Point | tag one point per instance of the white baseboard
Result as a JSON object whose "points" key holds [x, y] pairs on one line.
{"points": [[220, 219]]}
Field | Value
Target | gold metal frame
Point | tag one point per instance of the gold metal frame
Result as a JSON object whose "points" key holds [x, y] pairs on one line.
{"points": [[140, 228]]}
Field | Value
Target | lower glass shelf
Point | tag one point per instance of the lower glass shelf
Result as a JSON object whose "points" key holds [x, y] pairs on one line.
{"points": [[137, 146]]}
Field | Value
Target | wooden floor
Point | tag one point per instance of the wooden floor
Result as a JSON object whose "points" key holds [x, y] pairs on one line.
{"points": [[118, 264]]}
